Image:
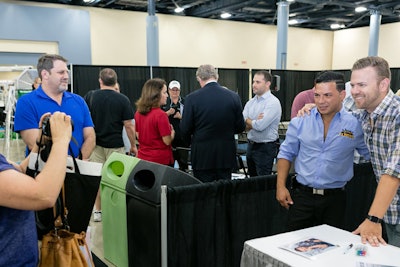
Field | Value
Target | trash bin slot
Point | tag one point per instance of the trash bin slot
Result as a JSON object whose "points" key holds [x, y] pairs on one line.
{"points": [[144, 180], [115, 198], [115, 170]]}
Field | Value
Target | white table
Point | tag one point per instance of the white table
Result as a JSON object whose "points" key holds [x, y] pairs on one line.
{"points": [[265, 251]]}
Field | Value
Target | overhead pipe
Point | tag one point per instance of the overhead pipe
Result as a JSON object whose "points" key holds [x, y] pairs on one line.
{"points": [[152, 35], [374, 24], [283, 24], [214, 7]]}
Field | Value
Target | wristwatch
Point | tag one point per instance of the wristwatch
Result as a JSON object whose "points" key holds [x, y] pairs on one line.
{"points": [[374, 219]]}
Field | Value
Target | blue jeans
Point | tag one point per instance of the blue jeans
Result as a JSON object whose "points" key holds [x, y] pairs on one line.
{"points": [[260, 158], [393, 233]]}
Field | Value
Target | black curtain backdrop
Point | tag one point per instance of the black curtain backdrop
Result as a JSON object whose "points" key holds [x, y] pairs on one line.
{"points": [[209, 223], [132, 78], [237, 80], [185, 76], [291, 83]]}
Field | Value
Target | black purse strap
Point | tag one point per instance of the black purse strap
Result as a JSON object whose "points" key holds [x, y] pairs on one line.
{"points": [[64, 216], [76, 167]]}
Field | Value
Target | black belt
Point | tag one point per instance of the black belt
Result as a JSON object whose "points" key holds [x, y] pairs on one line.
{"points": [[262, 143], [315, 191]]}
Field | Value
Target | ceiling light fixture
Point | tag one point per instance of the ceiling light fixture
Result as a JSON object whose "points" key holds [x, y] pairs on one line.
{"points": [[226, 15], [178, 9], [360, 9], [336, 26]]}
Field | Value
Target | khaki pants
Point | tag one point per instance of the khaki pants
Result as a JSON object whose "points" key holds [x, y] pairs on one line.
{"points": [[100, 154]]}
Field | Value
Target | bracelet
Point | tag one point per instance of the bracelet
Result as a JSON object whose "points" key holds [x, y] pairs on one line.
{"points": [[374, 219]]}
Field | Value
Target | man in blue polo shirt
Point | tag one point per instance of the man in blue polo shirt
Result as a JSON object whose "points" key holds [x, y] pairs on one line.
{"points": [[51, 96], [323, 145]]}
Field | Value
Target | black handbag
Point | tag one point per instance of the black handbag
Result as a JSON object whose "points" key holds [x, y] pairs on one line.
{"points": [[81, 184]]}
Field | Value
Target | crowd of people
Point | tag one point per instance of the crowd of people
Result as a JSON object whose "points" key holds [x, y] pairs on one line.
{"points": [[166, 125]]}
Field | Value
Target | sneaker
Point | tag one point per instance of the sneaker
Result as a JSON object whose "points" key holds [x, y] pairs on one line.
{"points": [[97, 216]]}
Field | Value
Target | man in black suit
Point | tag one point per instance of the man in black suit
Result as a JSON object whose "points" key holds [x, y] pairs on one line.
{"points": [[212, 116]]}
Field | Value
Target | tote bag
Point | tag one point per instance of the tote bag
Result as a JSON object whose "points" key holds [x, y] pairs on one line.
{"points": [[81, 185]]}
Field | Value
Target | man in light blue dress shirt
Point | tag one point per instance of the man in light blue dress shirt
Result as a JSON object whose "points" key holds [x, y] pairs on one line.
{"points": [[262, 115], [323, 145]]}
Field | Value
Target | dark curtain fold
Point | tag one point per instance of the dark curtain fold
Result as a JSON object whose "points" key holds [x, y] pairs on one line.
{"points": [[236, 80], [85, 78], [209, 223], [395, 81], [360, 193]]}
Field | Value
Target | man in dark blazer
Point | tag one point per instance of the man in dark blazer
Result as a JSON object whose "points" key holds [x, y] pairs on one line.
{"points": [[212, 116]]}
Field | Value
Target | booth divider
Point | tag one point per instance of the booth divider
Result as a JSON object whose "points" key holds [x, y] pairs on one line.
{"points": [[208, 223]]}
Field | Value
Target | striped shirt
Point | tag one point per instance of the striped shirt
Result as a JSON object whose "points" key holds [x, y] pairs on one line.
{"points": [[382, 136]]}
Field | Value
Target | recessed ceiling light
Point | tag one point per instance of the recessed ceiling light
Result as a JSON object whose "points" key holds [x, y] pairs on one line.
{"points": [[178, 9], [226, 15], [336, 26], [360, 9]]}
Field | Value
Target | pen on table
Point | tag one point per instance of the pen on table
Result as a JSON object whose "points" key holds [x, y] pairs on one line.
{"points": [[347, 249]]}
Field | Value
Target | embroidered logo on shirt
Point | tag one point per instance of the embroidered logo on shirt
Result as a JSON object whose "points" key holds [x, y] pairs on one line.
{"points": [[347, 133]]}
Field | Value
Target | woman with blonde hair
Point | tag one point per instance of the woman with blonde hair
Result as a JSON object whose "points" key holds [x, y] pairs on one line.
{"points": [[153, 130]]}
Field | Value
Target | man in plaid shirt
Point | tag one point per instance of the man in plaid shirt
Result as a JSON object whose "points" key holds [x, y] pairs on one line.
{"points": [[380, 118]]}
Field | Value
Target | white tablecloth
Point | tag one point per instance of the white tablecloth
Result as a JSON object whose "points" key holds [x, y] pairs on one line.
{"points": [[265, 252]]}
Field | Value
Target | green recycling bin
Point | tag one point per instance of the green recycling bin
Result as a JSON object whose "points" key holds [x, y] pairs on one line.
{"points": [[115, 173]]}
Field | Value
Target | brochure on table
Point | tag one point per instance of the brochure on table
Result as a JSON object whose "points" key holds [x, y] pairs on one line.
{"points": [[309, 247]]}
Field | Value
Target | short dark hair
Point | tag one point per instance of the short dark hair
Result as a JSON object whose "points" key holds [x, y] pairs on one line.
{"points": [[46, 62], [108, 76], [266, 74], [331, 76]]}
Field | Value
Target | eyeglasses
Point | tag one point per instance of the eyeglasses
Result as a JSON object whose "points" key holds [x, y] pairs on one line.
{"points": [[174, 89]]}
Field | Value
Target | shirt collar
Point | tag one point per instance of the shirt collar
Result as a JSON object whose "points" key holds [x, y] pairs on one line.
{"points": [[339, 114], [264, 96], [42, 94], [384, 105]]}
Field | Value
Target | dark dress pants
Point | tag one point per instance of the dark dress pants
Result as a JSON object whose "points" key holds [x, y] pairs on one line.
{"points": [[260, 158], [311, 209], [181, 156]]}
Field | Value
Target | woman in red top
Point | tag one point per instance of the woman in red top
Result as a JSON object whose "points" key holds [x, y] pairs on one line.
{"points": [[153, 129]]}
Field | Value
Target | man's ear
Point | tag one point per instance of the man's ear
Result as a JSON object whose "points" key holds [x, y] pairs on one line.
{"points": [[44, 74], [384, 85], [342, 94]]}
